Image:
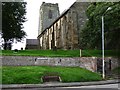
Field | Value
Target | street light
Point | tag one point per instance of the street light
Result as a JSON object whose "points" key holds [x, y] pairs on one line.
{"points": [[103, 61]]}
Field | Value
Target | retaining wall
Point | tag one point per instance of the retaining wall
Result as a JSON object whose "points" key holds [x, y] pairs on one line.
{"points": [[90, 63]]}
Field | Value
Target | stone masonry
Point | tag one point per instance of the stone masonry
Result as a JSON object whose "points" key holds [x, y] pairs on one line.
{"points": [[48, 13], [64, 32], [90, 63]]}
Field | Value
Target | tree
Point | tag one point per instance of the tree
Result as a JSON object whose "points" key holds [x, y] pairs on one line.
{"points": [[13, 17], [91, 34]]}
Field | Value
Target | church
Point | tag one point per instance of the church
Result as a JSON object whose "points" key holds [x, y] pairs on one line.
{"points": [[61, 31]]}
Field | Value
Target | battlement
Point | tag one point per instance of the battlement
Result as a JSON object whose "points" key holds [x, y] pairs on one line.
{"points": [[49, 4]]}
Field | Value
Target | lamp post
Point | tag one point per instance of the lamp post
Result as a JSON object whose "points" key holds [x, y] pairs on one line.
{"points": [[103, 60]]}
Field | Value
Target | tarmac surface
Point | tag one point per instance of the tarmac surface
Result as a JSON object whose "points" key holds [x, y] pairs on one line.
{"points": [[57, 84]]}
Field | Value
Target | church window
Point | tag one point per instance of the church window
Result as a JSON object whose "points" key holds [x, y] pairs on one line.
{"points": [[50, 14]]}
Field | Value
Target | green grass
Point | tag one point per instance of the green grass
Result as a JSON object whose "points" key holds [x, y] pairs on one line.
{"points": [[0, 74], [59, 53], [33, 74], [98, 53], [47, 53]]}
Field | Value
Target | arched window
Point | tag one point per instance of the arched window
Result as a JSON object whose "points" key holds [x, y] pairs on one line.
{"points": [[50, 14]]}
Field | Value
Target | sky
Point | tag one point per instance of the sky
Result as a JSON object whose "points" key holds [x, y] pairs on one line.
{"points": [[32, 15]]}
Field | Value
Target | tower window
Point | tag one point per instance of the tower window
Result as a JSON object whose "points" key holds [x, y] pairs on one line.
{"points": [[50, 14]]}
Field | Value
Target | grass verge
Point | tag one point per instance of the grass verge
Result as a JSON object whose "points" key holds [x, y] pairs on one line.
{"points": [[33, 74], [59, 53]]}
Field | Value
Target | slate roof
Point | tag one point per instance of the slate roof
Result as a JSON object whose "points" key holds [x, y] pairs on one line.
{"points": [[31, 42]]}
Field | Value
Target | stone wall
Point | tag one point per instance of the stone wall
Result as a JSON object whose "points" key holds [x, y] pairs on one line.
{"points": [[90, 63], [18, 60]]}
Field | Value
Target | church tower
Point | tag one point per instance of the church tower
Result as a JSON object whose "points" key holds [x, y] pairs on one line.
{"points": [[48, 13]]}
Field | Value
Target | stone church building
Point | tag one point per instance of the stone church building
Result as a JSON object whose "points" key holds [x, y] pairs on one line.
{"points": [[61, 31]]}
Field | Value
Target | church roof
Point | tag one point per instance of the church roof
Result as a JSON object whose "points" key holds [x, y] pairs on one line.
{"points": [[31, 42]]}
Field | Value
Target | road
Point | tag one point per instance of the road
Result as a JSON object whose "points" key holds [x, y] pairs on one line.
{"points": [[99, 86], [93, 87]]}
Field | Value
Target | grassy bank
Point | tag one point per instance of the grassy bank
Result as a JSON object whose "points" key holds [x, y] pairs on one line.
{"points": [[33, 74], [59, 53]]}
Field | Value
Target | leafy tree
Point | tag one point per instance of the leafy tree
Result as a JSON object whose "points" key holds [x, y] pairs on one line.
{"points": [[13, 17], [91, 34]]}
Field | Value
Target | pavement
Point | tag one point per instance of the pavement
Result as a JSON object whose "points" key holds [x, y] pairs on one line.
{"points": [[58, 84]]}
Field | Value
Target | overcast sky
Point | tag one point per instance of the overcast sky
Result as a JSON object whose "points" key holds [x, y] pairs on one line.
{"points": [[32, 15]]}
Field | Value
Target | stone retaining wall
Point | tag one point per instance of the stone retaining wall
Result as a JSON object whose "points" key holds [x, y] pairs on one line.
{"points": [[90, 63]]}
